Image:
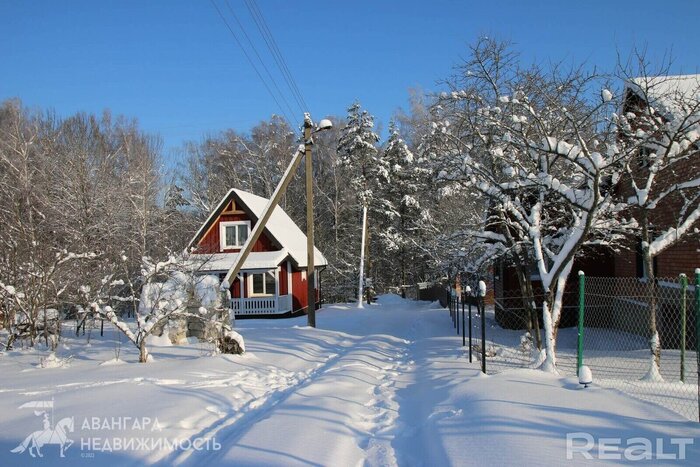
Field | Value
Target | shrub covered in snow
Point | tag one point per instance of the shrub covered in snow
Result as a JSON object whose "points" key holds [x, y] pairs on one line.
{"points": [[231, 343]]}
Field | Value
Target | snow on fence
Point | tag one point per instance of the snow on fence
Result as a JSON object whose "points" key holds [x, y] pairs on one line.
{"points": [[616, 339]]}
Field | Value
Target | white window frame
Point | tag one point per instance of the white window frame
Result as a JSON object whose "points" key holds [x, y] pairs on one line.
{"points": [[222, 234], [266, 293]]}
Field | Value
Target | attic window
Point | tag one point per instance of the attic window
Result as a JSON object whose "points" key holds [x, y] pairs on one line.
{"points": [[233, 234]]}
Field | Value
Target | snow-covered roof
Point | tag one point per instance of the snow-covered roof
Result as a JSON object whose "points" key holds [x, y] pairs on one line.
{"points": [[665, 91], [280, 226], [283, 228], [222, 262]]}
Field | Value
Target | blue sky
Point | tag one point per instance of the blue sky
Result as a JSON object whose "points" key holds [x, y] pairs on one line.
{"points": [[175, 67]]}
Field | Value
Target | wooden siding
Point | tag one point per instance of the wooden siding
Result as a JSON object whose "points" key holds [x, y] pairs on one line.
{"points": [[210, 243], [298, 290], [283, 279]]}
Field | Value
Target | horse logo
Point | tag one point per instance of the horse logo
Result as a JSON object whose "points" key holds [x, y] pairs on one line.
{"points": [[47, 435]]}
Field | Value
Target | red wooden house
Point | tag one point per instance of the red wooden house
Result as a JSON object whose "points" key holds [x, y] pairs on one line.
{"points": [[272, 281]]}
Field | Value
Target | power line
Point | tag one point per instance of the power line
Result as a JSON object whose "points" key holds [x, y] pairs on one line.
{"points": [[269, 39], [252, 46], [257, 72], [276, 53]]}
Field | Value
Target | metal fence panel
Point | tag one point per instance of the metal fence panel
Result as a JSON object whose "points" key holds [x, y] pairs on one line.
{"points": [[616, 338]]}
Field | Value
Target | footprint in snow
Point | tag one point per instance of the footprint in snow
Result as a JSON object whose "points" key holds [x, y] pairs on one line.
{"points": [[442, 414], [216, 411]]}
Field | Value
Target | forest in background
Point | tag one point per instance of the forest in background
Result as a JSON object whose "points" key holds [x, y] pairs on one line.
{"points": [[519, 163]]}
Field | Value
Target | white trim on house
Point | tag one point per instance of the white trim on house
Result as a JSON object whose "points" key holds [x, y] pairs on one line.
{"points": [[277, 281], [265, 293], [221, 262], [222, 234]]}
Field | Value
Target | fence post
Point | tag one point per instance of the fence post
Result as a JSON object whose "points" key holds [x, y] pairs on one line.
{"points": [[470, 330], [448, 298], [464, 335], [684, 289], [581, 301], [697, 331], [449, 301], [454, 309], [480, 305], [457, 313]]}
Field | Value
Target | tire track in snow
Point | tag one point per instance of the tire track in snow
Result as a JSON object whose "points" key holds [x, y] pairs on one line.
{"points": [[228, 430]]}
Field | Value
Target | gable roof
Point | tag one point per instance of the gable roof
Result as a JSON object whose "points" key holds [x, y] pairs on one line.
{"points": [[280, 226]]}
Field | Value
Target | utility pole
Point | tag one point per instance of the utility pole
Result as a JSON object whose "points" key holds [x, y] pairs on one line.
{"points": [[302, 151], [310, 273], [309, 130]]}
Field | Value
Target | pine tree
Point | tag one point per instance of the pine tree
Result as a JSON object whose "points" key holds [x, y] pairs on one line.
{"points": [[400, 209], [358, 154]]}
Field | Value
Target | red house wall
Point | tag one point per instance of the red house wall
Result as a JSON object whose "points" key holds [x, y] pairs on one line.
{"points": [[299, 293], [236, 289], [210, 243], [284, 288]]}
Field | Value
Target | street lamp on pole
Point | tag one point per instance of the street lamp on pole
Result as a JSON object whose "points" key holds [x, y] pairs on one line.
{"points": [[309, 130]]}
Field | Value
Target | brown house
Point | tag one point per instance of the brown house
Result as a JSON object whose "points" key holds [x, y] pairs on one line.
{"points": [[683, 257]]}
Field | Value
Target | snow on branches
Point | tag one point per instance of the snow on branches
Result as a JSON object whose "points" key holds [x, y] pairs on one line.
{"points": [[529, 143]]}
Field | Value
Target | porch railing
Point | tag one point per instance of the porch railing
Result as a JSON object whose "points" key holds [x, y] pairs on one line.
{"points": [[261, 305]]}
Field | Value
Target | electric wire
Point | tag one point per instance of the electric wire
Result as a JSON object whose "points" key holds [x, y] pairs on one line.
{"points": [[252, 64], [271, 43], [255, 50]]}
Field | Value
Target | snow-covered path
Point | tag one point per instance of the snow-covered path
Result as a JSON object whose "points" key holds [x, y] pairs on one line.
{"points": [[387, 385], [404, 394], [347, 412]]}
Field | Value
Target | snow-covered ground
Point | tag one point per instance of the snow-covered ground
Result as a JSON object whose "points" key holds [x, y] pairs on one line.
{"points": [[619, 360], [386, 385]]}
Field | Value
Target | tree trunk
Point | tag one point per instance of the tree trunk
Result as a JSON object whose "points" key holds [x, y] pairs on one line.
{"points": [[368, 273], [360, 293], [551, 326], [143, 351], [651, 292], [551, 314], [535, 319], [528, 299]]}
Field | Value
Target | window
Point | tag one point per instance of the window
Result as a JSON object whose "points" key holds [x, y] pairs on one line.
{"points": [[263, 283], [234, 234]]}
